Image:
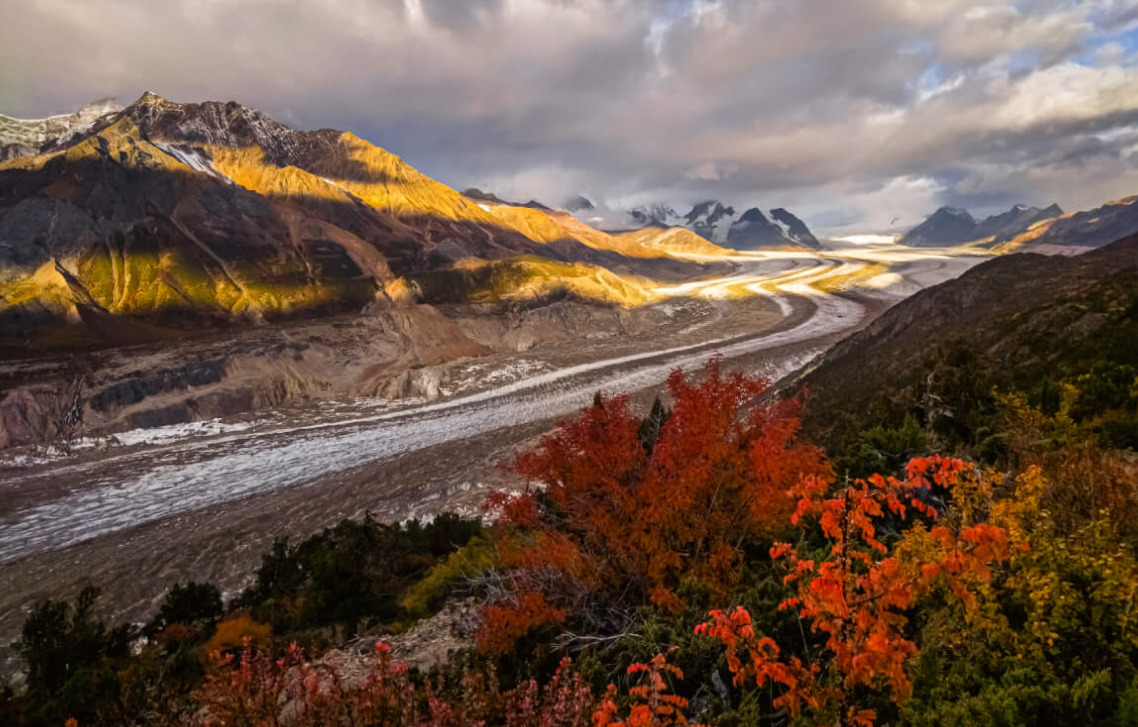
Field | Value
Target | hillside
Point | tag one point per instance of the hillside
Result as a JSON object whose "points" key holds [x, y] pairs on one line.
{"points": [[1027, 323], [22, 137]]}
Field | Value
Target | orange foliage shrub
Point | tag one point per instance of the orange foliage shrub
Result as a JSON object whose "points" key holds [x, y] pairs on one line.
{"points": [[628, 520], [857, 597], [237, 631], [509, 622]]}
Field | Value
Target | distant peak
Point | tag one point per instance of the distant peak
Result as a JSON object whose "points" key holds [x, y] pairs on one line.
{"points": [[954, 211], [151, 99], [754, 214], [579, 203]]}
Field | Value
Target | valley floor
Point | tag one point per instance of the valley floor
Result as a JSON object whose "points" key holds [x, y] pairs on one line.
{"points": [[149, 508]]}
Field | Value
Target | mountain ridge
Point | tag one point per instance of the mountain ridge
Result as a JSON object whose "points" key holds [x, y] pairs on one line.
{"points": [[956, 226]]}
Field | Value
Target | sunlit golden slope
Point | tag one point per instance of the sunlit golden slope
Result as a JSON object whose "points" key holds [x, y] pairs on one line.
{"points": [[524, 279], [181, 242], [672, 240], [353, 167]]}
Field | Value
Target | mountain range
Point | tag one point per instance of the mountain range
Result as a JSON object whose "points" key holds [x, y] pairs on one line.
{"points": [[956, 226], [723, 225]]}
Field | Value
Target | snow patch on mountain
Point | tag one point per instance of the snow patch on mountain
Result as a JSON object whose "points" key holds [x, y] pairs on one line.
{"points": [[197, 160]]}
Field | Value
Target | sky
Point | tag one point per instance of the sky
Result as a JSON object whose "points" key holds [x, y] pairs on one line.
{"points": [[857, 115]]}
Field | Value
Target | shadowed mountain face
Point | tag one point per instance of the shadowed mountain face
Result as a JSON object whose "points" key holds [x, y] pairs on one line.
{"points": [[753, 231], [169, 214], [946, 226], [1076, 232]]}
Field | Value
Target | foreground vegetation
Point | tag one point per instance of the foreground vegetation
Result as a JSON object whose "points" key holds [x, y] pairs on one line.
{"points": [[704, 563]]}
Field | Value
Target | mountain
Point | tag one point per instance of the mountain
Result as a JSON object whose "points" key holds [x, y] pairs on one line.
{"points": [[711, 220], [714, 221], [579, 204], [1075, 232], [718, 223], [753, 231], [658, 215], [174, 215], [479, 196], [946, 226], [1015, 221], [19, 137], [794, 228], [955, 226], [1027, 323]]}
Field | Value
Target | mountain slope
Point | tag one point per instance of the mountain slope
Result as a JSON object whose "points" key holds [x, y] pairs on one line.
{"points": [[136, 231], [679, 240], [1026, 323], [1015, 221], [1077, 231]]}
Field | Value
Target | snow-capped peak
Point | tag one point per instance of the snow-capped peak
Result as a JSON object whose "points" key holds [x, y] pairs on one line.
{"points": [[22, 137]]}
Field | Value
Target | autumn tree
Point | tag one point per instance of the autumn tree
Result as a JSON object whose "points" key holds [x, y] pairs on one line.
{"points": [[621, 517]]}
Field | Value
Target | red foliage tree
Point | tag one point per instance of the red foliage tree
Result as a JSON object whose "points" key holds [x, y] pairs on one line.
{"points": [[628, 520]]}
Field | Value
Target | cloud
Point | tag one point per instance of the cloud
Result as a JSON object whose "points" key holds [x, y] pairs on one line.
{"points": [[853, 111]]}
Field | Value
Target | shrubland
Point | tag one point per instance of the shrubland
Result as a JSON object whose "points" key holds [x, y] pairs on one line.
{"points": [[703, 564]]}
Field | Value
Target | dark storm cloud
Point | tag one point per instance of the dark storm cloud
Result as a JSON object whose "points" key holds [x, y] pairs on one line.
{"points": [[854, 111]]}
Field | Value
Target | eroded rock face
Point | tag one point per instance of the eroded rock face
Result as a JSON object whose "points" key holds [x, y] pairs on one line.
{"points": [[385, 353]]}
